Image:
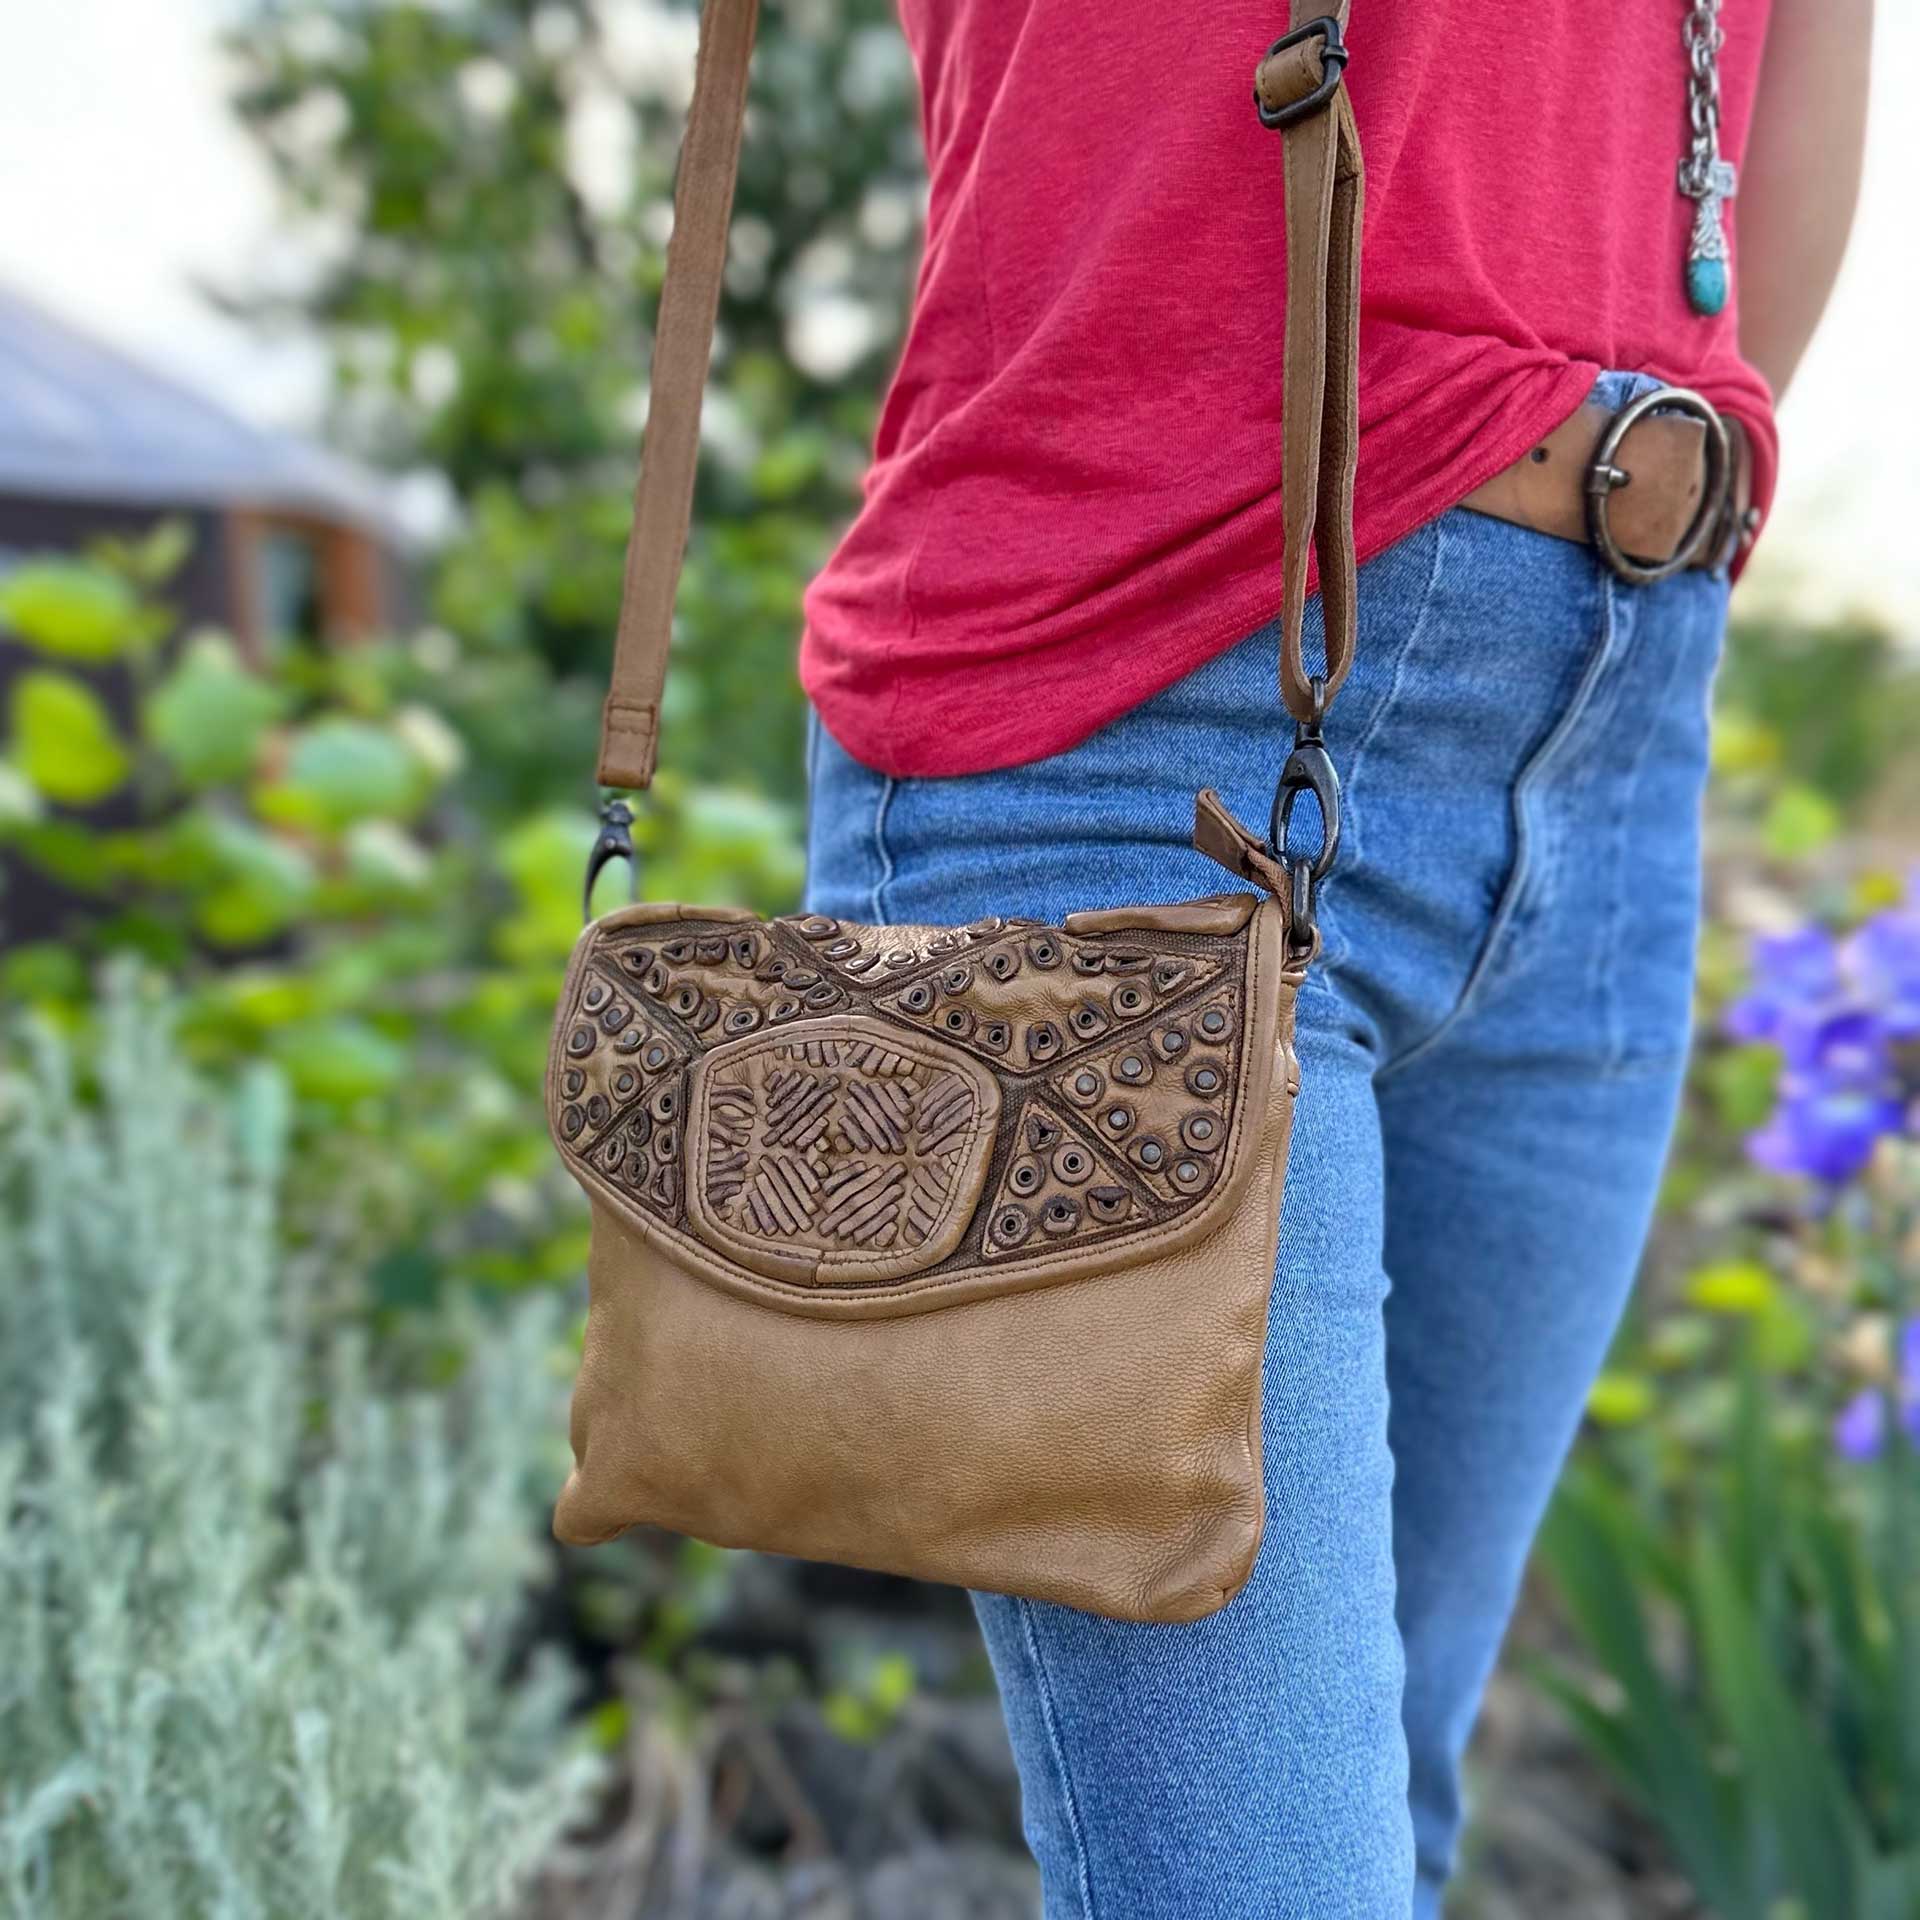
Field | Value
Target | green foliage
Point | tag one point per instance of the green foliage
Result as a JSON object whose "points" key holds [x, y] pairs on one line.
{"points": [[258, 1605], [494, 179], [307, 854], [1760, 1646], [209, 715], [1832, 706], [77, 613], [63, 741]]}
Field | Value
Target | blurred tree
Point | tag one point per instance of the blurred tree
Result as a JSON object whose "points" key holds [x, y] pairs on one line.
{"points": [[487, 185]]}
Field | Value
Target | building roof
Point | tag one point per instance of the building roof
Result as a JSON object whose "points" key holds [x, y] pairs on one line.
{"points": [[81, 420]]}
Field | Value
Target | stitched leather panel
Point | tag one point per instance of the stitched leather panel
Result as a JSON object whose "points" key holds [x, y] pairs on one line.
{"points": [[838, 1149], [835, 1116]]}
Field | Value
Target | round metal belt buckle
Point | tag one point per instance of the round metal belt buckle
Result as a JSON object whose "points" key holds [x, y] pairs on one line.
{"points": [[1605, 477]]}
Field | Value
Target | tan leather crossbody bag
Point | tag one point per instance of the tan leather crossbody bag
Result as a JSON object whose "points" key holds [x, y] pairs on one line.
{"points": [[947, 1250]]}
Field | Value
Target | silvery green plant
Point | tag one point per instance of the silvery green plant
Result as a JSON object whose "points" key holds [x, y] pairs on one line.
{"points": [[258, 1614]]}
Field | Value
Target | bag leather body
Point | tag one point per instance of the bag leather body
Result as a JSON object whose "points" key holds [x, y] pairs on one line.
{"points": [[961, 1272], [946, 1252]]}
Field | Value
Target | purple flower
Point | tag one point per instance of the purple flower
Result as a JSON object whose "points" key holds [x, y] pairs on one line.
{"points": [[1824, 1135], [1835, 1043], [1838, 1093], [1860, 1427], [1789, 969], [1882, 959], [1907, 1359]]}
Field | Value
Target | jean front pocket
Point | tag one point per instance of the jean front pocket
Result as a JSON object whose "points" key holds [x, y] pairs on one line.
{"points": [[1650, 802]]}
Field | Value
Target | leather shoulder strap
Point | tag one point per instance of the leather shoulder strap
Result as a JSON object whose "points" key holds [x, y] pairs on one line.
{"points": [[1320, 415], [1297, 87], [682, 347]]}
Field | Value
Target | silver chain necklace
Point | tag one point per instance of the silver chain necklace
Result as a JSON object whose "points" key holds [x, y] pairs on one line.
{"points": [[1707, 180]]}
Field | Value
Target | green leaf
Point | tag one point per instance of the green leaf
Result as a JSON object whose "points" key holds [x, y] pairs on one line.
{"points": [[208, 715], [64, 740], [71, 611], [1619, 1399], [1592, 1546], [341, 771], [1731, 1286], [259, 884], [1800, 822], [339, 1061], [1799, 1797]]}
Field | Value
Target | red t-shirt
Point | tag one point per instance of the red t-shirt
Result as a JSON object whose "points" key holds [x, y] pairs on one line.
{"points": [[1074, 496]]}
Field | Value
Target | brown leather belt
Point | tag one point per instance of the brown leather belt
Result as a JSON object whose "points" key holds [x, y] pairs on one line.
{"points": [[1661, 484]]}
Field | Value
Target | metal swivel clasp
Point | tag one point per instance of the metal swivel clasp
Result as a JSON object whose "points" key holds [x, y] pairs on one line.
{"points": [[615, 843], [1309, 769]]}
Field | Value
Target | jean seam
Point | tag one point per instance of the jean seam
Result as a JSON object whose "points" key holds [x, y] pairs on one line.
{"points": [[1621, 1054], [1525, 854], [1043, 1692], [884, 860], [1338, 948]]}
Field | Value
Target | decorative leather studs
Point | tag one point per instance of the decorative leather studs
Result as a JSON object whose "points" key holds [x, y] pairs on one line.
{"points": [[1060, 1216], [1072, 1164], [1128, 1057], [1058, 1186], [1011, 1225]]}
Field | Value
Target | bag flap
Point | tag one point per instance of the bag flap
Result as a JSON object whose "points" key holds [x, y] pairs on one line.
{"points": [[850, 1120]]}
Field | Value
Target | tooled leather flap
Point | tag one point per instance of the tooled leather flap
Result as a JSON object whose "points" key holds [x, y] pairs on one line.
{"points": [[847, 1120]]}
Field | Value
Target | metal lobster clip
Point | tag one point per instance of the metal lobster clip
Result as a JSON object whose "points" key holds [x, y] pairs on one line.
{"points": [[1309, 768], [615, 842]]}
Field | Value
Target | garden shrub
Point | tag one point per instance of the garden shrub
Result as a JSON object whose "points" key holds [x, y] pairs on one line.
{"points": [[258, 1609]]}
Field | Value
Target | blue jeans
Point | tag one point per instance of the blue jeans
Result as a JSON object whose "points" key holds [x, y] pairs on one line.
{"points": [[1491, 1052]]}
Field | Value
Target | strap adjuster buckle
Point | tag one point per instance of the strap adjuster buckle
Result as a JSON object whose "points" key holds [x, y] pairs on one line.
{"points": [[1333, 60]]}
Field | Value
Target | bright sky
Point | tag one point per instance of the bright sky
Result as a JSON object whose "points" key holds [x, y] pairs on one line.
{"points": [[124, 188]]}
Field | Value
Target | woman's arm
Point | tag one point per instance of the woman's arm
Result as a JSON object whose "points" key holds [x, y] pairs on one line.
{"points": [[1801, 176]]}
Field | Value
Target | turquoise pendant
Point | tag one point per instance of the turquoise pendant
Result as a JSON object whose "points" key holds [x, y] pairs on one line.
{"points": [[1706, 285], [1709, 185]]}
